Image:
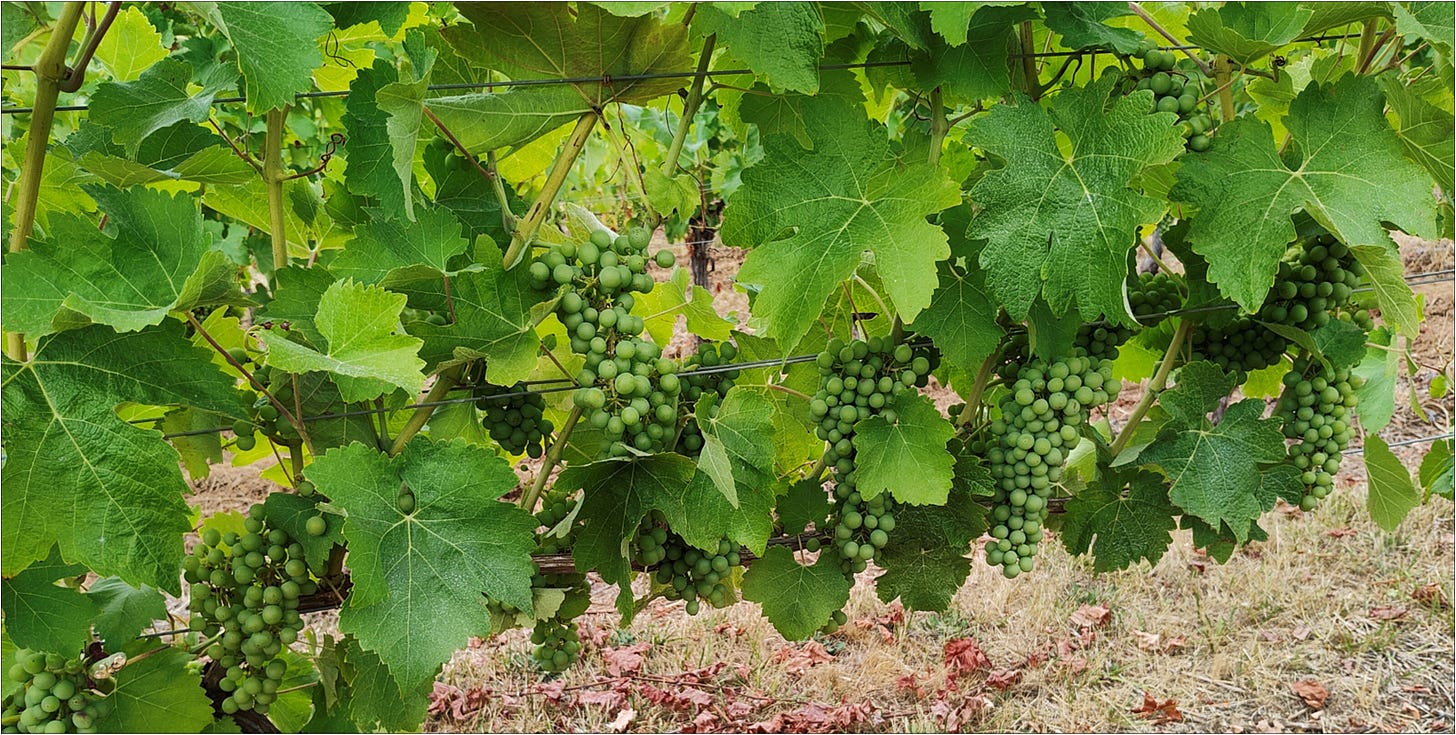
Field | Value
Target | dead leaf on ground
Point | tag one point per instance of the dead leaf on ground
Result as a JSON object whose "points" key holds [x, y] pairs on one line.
{"points": [[1311, 692], [1159, 713], [626, 660], [964, 656], [1154, 642], [1387, 613], [1091, 616], [623, 721], [1431, 595], [800, 658], [1341, 532]]}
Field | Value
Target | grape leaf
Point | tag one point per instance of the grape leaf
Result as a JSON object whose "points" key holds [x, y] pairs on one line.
{"points": [[1353, 178], [155, 100], [1392, 495], [131, 46], [156, 259], [781, 42], [390, 16], [925, 561], [16, 23], [906, 20], [950, 20], [8, 648], [1385, 275], [967, 72], [496, 313], [158, 693], [419, 577], [360, 348], [1247, 32], [372, 170], [1201, 387], [392, 251], [109, 492], [1433, 22], [277, 46], [291, 513], [805, 503], [293, 709], [1120, 530], [1381, 371], [1083, 25], [797, 600], [961, 318], [548, 40], [375, 699], [1438, 469], [1214, 471], [1425, 130], [462, 190], [850, 194], [739, 439], [43, 616], [1338, 343], [1060, 224], [619, 493], [123, 611], [661, 307], [906, 458], [1219, 543], [200, 451], [1333, 15]]}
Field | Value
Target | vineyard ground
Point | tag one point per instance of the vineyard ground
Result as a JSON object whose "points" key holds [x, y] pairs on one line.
{"points": [[1329, 599]]}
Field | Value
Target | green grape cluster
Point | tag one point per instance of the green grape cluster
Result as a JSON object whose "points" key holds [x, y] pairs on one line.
{"points": [[53, 695], [861, 527], [1038, 429], [1240, 346], [1316, 278], [264, 416], [555, 507], [626, 388], [517, 423], [1151, 297], [697, 385], [245, 590], [434, 318], [557, 644], [686, 572], [1177, 91], [1315, 406], [859, 380]]}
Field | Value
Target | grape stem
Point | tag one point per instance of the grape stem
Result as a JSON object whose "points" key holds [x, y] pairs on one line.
{"points": [[1160, 381], [282, 410], [526, 228], [1161, 265], [1028, 62], [553, 455], [273, 179], [417, 420], [788, 390], [1223, 75], [50, 74], [978, 388]]}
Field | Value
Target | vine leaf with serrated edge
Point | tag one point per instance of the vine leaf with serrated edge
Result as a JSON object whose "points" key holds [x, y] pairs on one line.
{"points": [[110, 493], [1352, 177], [925, 561], [1120, 529], [1228, 474], [849, 195], [277, 47], [1247, 32], [420, 578], [156, 259], [42, 615], [1060, 225], [157, 693], [906, 458], [796, 599]]}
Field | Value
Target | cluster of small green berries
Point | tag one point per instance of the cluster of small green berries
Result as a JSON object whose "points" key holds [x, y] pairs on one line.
{"points": [[686, 572], [265, 415], [861, 527], [517, 423], [53, 695], [1316, 278], [1038, 429], [714, 384], [1151, 297], [555, 507], [557, 644], [1177, 91], [626, 388], [245, 590], [1315, 406]]}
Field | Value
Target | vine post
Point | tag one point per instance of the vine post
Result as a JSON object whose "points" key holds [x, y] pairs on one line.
{"points": [[50, 74]]}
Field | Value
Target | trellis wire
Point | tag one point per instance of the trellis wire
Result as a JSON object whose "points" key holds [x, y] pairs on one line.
{"points": [[608, 79], [561, 385]]}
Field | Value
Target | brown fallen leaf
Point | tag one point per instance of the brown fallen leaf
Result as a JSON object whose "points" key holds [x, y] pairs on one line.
{"points": [[1430, 595], [1154, 643], [1091, 616], [800, 658], [1341, 532], [1158, 713], [964, 656], [626, 660], [1387, 613], [623, 721], [1311, 692]]}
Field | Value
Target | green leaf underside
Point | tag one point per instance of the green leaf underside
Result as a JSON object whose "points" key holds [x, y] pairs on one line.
{"points": [[420, 579], [796, 599], [1392, 495], [108, 492], [1061, 226]]}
